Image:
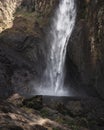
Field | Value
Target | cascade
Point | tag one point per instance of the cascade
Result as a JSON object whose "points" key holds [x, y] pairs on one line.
{"points": [[60, 31]]}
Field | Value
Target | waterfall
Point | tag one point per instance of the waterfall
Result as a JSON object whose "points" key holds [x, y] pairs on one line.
{"points": [[60, 32]]}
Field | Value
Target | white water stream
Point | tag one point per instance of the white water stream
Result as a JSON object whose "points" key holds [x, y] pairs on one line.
{"points": [[61, 28]]}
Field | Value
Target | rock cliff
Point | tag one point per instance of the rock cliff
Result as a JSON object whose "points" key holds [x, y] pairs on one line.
{"points": [[7, 10], [85, 48], [22, 42]]}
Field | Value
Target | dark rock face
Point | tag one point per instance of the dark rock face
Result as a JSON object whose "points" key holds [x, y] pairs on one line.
{"points": [[85, 48], [4, 81], [39, 5], [23, 50], [22, 59]]}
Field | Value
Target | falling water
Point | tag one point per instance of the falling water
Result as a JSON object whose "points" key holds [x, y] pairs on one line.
{"points": [[60, 32]]}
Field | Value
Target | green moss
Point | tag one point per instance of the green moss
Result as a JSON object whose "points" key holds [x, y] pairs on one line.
{"points": [[44, 113]]}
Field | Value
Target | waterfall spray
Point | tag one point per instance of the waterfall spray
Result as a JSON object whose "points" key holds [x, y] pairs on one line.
{"points": [[61, 28]]}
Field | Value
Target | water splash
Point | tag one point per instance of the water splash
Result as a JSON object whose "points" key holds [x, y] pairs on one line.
{"points": [[61, 28]]}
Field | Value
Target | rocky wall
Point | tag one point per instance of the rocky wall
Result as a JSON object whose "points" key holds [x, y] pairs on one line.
{"points": [[86, 45], [8, 8], [22, 43]]}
